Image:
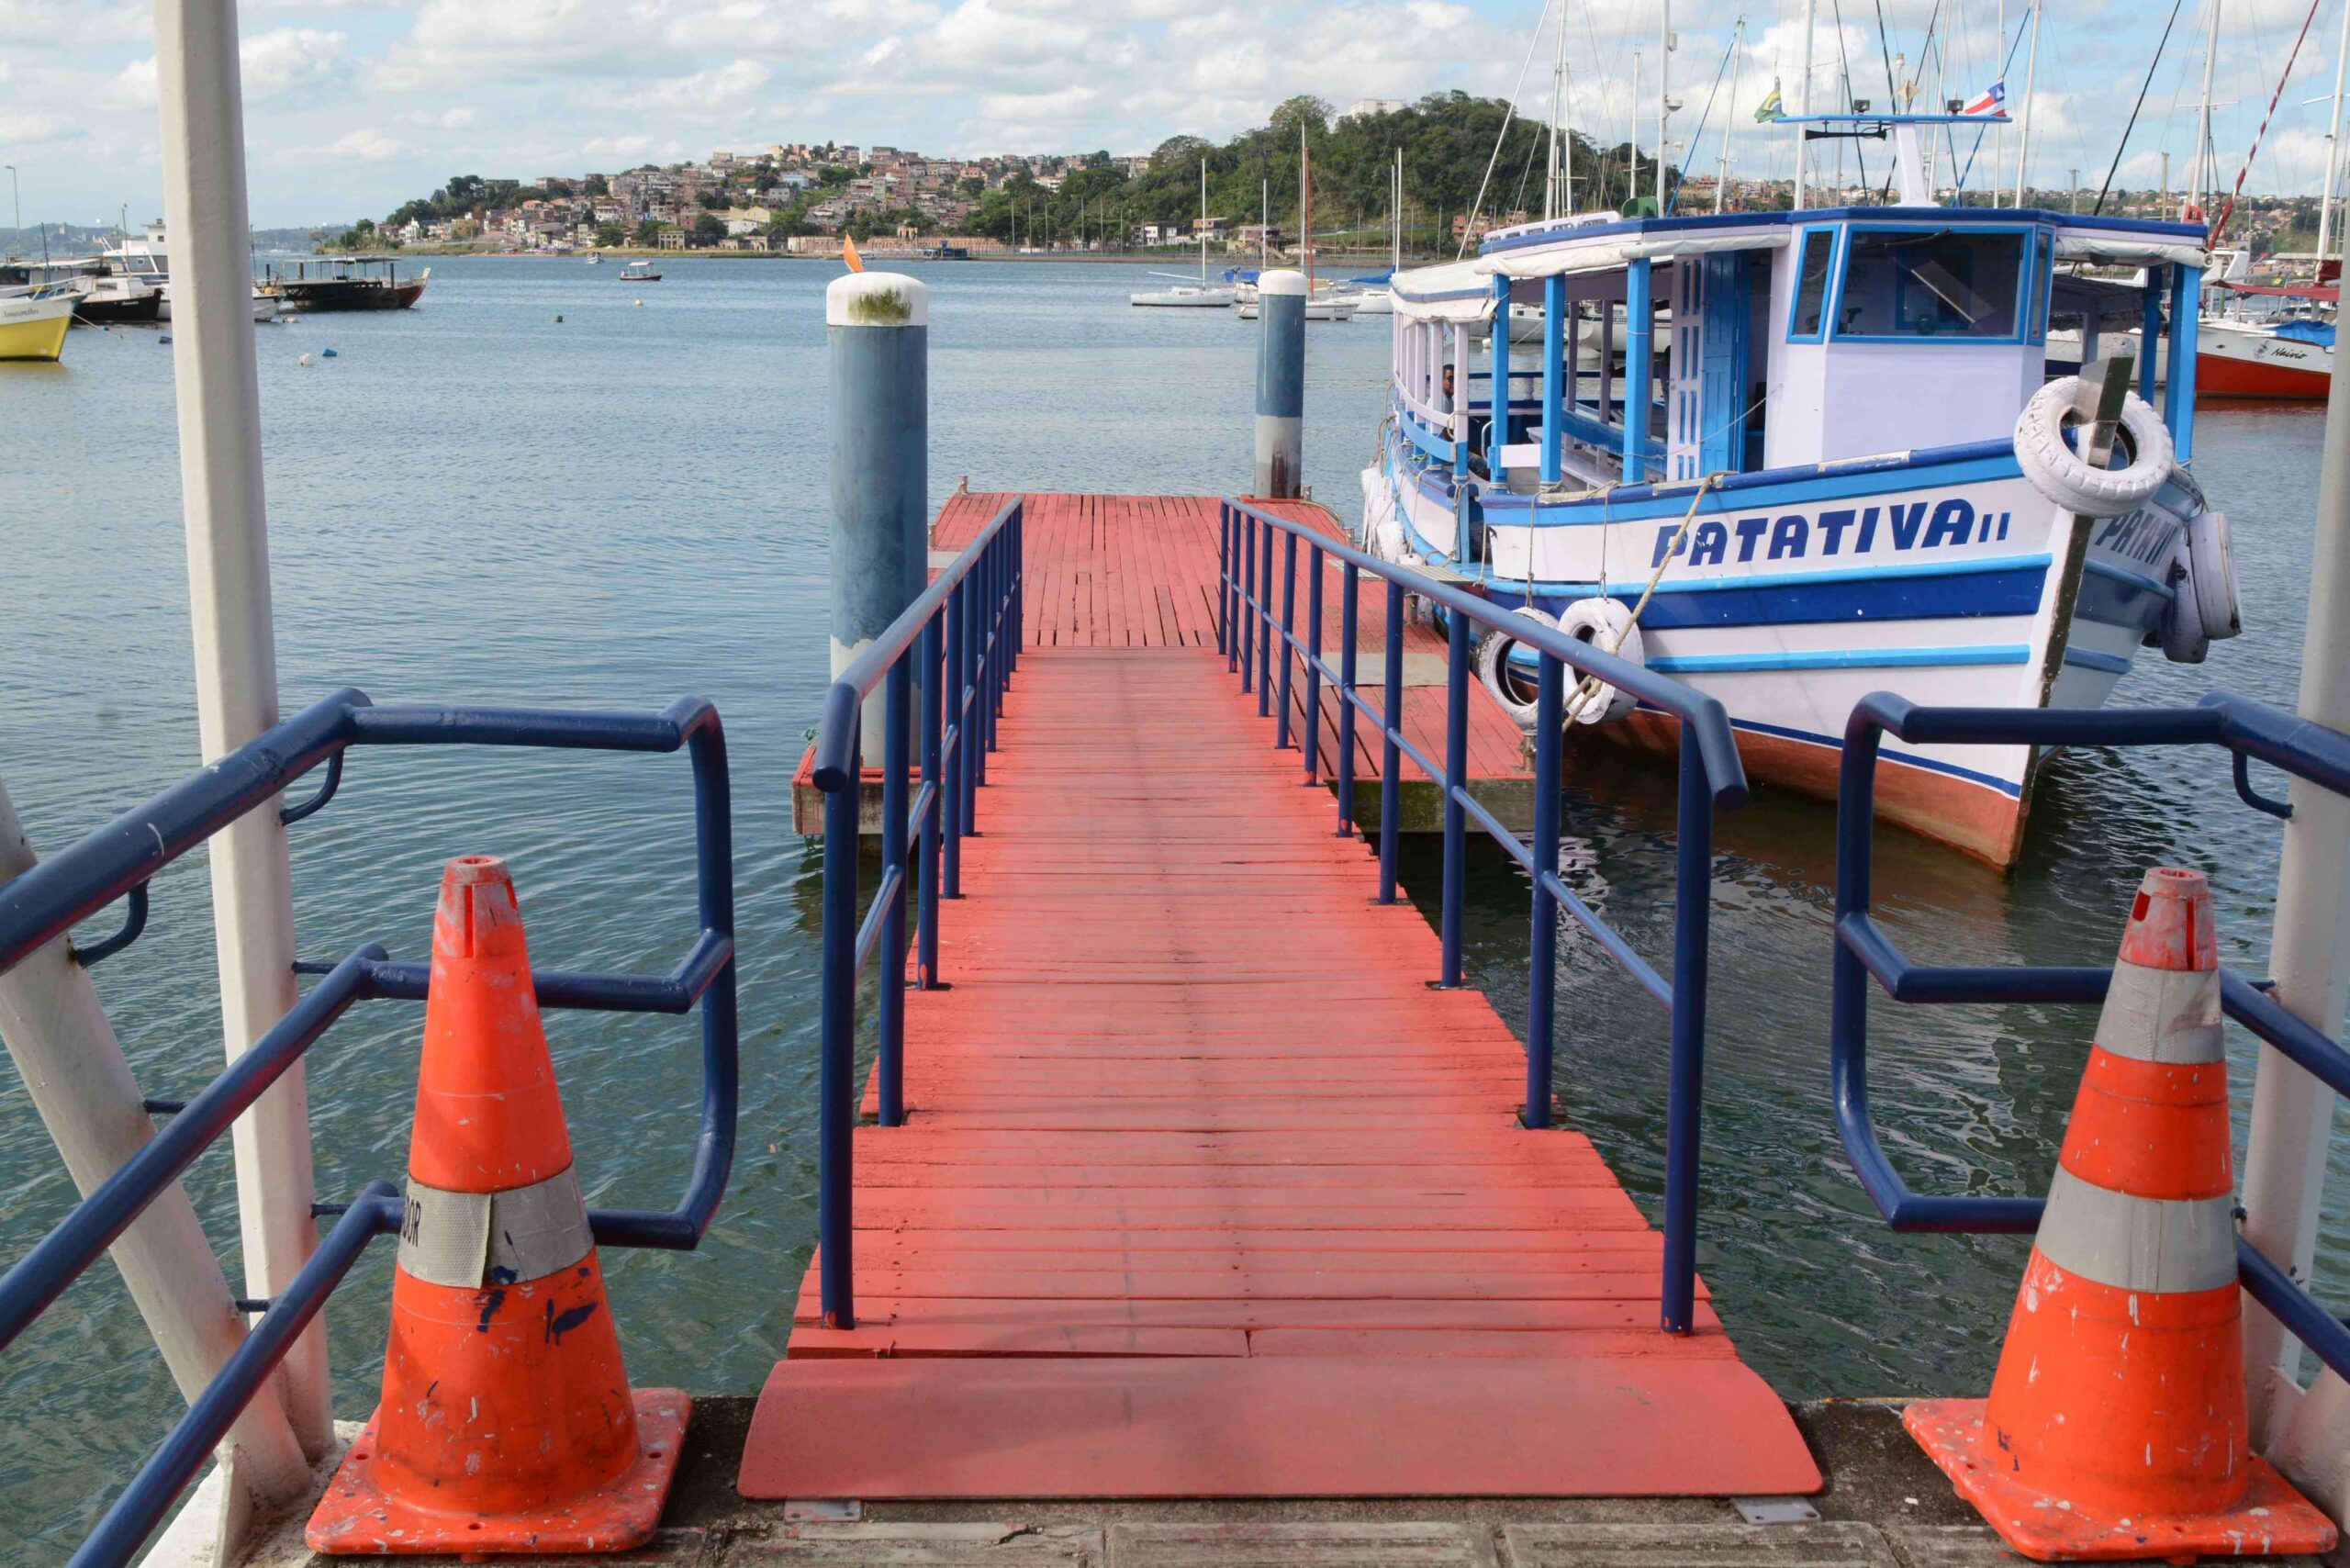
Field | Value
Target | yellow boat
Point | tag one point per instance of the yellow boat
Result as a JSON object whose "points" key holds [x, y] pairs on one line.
{"points": [[32, 325]]}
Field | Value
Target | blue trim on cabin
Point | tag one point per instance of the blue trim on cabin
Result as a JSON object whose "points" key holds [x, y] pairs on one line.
{"points": [[1843, 658], [1804, 233]]}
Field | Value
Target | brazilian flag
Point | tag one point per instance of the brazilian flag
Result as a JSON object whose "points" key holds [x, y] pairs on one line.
{"points": [[1770, 109]]}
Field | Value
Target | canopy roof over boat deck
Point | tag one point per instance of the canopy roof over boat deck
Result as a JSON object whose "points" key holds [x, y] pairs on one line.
{"points": [[1456, 291], [1580, 245]]}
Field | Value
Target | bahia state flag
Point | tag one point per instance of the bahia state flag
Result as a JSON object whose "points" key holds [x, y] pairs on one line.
{"points": [[1991, 104], [1769, 107]]}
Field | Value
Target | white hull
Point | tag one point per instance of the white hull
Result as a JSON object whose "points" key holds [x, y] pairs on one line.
{"points": [[1944, 586], [1209, 298]]}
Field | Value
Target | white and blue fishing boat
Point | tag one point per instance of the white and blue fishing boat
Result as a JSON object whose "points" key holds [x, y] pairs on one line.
{"points": [[1845, 467]]}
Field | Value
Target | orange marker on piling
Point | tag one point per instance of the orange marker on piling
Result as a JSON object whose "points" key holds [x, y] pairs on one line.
{"points": [[2116, 1422], [507, 1423]]}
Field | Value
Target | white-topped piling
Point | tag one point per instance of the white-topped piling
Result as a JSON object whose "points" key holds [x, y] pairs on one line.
{"points": [[877, 326], [1281, 384]]}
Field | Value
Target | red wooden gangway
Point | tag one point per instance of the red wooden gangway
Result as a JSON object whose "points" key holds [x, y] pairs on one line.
{"points": [[1204, 1190]]}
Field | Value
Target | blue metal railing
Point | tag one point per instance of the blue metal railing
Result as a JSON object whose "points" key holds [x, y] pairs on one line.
{"points": [[2249, 731], [1711, 778], [48, 900], [963, 633]]}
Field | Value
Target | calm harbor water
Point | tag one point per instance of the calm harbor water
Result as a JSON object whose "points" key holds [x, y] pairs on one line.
{"points": [[477, 501]]}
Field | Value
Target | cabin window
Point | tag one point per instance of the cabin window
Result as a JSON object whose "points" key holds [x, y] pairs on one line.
{"points": [[1942, 282], [1811, 283]]}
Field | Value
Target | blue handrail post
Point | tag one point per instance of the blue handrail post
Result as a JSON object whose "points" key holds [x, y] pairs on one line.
{"points": [[1684, 1101], [836, 1069], [1289, 631], [926, 924], [1542, 975], [1555, 359], [1350, 601], [1391, 754], [1639, 366], [1456, 784], [1312, 714], [950, 805], [1019, 548], [1223, 580], [1246, 594], [1264, 627], [983, 657], [896, 702], [966, 703]]}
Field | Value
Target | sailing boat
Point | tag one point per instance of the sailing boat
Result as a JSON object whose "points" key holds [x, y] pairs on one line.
{"points": [[1194, 295], [1330, 305], [1369, 294]]}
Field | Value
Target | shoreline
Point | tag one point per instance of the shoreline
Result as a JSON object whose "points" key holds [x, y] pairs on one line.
{"points": [[632, 253]]}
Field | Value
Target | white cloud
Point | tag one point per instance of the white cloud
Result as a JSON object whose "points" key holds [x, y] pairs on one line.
{"points": [[289, 60], [133, 86], [721, 90], [367, 146]]}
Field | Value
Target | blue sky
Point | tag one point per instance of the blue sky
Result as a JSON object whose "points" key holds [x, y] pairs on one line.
{"points": [[351, 108]]}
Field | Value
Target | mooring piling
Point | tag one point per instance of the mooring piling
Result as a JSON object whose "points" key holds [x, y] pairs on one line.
{"points": [[1281, 383], [877, 331]]}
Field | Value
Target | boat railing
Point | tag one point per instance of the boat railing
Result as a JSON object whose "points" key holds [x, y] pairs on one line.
{"points": [[1711, 778], [2248, 732], [955, 648], [119, 860]]}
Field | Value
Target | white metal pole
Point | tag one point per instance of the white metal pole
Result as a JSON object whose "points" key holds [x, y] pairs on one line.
{"points": [[1737, 49], [1999, 135], [2206, 171], [1803, 147], [1632, 178], [2284, 1175], [73, 1069], [2031, 79], [1664, 93], [2334, 141], [236, 647]]}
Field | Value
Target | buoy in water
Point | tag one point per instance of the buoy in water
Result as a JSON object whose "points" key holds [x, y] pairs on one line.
{"points": [[558, 320], [165, 338], [305, 361], [325, 354], [640, 304]]}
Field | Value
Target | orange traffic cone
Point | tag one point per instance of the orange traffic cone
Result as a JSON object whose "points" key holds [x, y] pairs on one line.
{"points": [[2116, 1422], [507, 1423]]}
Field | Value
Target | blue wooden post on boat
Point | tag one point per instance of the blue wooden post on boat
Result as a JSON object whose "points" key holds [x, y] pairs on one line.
{"points": [[1640, 322], [2178, 399], [1555, 402], [1497, 427], [2150, 334], [1281, 383], [877, 331], [1464, 495]]}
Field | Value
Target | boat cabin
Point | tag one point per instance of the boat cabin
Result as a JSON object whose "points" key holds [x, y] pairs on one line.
{"points": [[1669, 350]]}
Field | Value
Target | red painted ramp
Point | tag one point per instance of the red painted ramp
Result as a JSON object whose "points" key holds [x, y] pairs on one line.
{"points": [[1292, 1427], [1203, 1190]]}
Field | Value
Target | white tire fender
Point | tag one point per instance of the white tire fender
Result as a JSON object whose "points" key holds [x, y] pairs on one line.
{"points": [[2063, 475], [1606, 624], [2211, 562], [1511, 686]]}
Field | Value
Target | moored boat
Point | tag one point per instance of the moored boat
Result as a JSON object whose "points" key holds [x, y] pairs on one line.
{"points": [[33, 322], [1843, 470], [347, 282], [639, 271]]}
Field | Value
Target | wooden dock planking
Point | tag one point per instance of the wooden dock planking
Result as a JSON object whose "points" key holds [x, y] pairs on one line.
{"points": [[1204, 1190]]}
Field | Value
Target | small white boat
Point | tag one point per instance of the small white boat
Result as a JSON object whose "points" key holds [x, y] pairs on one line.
{"points": [[1195, 296], [595, 261], [1327, 308]]}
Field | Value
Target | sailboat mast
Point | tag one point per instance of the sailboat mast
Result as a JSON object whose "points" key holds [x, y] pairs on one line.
{"points": [[1306, 206], [1663, 93], [1203, 223], [2333, 142], [1395, 217], [2207, 171], [1556, 201], [1803, 147], [1737, 49], [1632, 183], [2031, 77]]}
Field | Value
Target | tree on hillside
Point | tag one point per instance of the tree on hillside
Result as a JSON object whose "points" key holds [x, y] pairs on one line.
{"points": [[1179, 152], [708, 228], [1305, 109]]}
